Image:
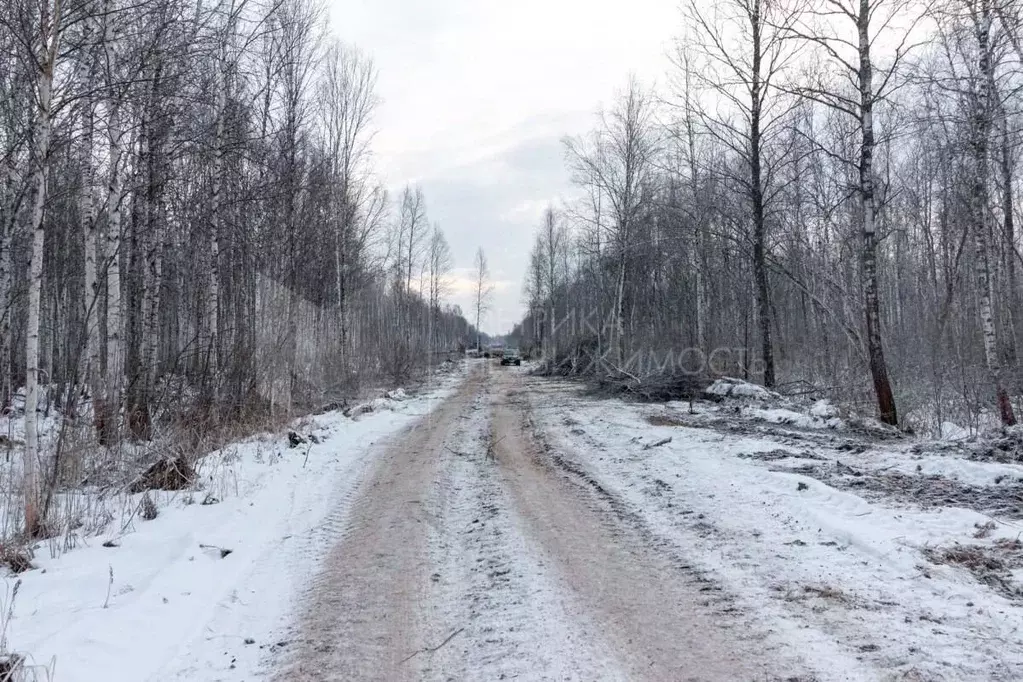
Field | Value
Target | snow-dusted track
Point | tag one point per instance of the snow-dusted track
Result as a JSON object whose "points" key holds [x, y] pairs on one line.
{"points": [[364, 614], [471, 555], [506, 526], [433, 578], [154, 605], [665, 619]]}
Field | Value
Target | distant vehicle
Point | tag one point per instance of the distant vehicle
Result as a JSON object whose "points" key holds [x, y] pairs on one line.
{"points": [[511, 357]]}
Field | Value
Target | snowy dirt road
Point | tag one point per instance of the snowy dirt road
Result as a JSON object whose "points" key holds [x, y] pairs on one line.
{"points": [[473, 552], [499, 525]]}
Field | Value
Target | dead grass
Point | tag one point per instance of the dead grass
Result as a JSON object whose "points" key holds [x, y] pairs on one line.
{"points": [[664, 420], [147, 508], [173, 473], [16, 556], [819, 597], [928, 491], [990, 564], [11, 666], [985, 529], [779, 454], [827, 592]]}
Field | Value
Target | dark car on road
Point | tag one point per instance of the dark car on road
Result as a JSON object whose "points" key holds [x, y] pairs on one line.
{"points": [[511, 357]]}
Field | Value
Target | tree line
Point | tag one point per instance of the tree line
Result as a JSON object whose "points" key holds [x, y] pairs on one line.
{"points": [[828, 187], [190, 223]]}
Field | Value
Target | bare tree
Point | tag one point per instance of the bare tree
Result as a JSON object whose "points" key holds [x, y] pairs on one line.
{"points": [[347, 99], [483, 289], [745, 52], [618, 161], [439, 263], [552, 247], [982, 103], [45, 50], [851, 53]]}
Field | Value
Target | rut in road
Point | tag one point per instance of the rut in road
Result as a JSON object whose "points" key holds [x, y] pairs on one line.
{"points": [[469, 554], [665, 620], [363, 614]]}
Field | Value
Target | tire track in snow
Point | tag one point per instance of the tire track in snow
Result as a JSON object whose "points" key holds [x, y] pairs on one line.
{"points": [[490, 587], [665, 620], [363, 614]]}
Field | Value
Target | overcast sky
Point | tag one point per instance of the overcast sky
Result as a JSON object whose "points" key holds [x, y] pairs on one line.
{"points": [[477, 95]]}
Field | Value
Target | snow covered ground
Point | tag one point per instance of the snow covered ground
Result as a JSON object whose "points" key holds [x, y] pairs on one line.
{"points": [[529, 530], [164, 602], [876, 557]]}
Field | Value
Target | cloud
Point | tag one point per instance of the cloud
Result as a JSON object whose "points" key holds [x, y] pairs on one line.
{"points": [[477, 95]]}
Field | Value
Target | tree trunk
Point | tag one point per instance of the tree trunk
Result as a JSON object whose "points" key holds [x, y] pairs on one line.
{"points": [[89, 208], [115, 355], [1009, 230], [620, 310], [875, 349], [40, 174], [981, 130], [212, 312], [6, 304], [763, 293]]}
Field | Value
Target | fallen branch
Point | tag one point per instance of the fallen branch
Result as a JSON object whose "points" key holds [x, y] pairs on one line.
{"points": [[430, 650], [222, 551], [663, 441]]}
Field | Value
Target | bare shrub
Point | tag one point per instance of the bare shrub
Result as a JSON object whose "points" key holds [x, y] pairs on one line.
{"points": [[147, 508], [16, 556], [172, 473]]}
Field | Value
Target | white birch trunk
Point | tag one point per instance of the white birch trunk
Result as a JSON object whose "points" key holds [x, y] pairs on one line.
{"points": [[44, 124], [213, 287], [115, 355], [6, 282], [982, 116], [89, 209]]}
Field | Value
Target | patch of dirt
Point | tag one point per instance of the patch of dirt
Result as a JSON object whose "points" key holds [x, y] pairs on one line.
{"points": [[990, 564], [775, 455], [665, 420], [732, 421], [172, 473], [928, 491], [1001, 447]]}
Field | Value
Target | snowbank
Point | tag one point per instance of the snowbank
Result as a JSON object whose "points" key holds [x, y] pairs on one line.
{"points": [[844, 546], [164, 602], [727, 387]]}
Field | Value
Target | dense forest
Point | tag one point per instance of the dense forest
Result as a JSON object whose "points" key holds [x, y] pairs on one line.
{"points": [[191, 229], [822, 197]]}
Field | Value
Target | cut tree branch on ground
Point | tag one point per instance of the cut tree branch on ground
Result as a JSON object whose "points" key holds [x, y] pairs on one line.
{"points": [[430, 650]]}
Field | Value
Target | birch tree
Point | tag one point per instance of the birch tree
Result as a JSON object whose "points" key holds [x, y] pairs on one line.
{"points": [[347, 100], [847, 43], [982, 105], [746, 52], [483, 290], [552, 246], [618, 161], [43, 47], [440, 263]]}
